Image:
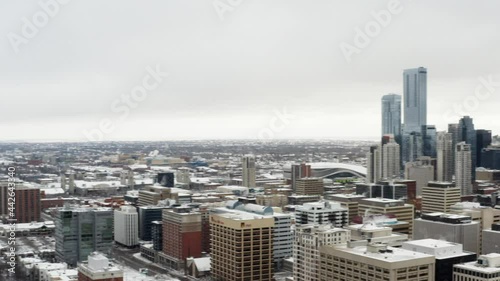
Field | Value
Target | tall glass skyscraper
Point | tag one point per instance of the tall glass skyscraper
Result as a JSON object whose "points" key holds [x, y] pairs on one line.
{"points": [[391, 116], [415, 99]]}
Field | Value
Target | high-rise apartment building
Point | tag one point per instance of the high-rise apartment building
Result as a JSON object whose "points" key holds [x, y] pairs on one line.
{"points": [[374, 164], [309, 186], [81, 231], [241, 246], [127, 226], [322, 213], [415, 99], [456, 137], [299, 171], [468, 135], [374, 262], [391, 163], [99, 268], [308, 240], [391, 116], [463, 163], [413, 146], [422, 171], [445, 151], [157, 235], [439, 197], [248, 165], [429, 140]]}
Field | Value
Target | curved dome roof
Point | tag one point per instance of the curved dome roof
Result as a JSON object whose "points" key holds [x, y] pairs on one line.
{"points": [[328, 169]]}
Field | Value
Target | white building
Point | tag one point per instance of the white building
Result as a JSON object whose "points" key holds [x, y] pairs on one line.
{"points": [[487, 268], [99, 267], [374, 262], [308, 240], [391, 164], [324, 212], [463, 166], [127, 226]]}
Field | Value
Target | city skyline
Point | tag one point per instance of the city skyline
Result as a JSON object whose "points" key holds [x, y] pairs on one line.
{"points": [[61, 83]]}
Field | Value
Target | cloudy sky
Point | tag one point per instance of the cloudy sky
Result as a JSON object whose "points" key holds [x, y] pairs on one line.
{"points": [[75, 69]]}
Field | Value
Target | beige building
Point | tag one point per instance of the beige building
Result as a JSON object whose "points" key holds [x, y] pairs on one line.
{"points": [[487, 268], [374, 262], [150, 195], [439, 197], [348, 201], [241, 246], [309, 186], [308, 239], [401, 211]]}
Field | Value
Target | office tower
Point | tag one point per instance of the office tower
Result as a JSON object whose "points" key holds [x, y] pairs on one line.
{"points": [[422, 171], [450, 227], [148, 214], [468, 135], [374, 164], [282, 231], [310, 186], [463, 172], [391, 116], [415, 98], [182, 236], [447, 255], [299, 171], [445, 151], [374, 261], [391, 166], [99, 268], [429, 137], [456, 137], [483, 140], [401, 211], [126, 226], [322, 213], [248, 171], [439, 197], [241, 246], [413, 146], [349, 202], [490, 158], [491, 240], [81, 231], [487, 268], [157, 235], [306, 256]]}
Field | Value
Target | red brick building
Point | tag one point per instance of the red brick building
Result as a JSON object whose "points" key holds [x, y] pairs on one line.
{"points": [[26, 201], [182, 236]]}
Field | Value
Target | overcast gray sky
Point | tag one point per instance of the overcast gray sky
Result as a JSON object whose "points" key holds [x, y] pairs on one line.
{"points": [[228, 77]]}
